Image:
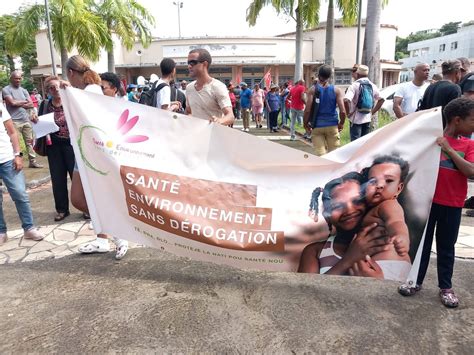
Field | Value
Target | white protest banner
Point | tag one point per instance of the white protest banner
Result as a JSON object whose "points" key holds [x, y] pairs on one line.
{"points": [[212, 193], [45, 125]]}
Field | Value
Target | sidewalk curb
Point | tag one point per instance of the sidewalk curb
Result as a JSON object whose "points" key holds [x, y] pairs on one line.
{"points": [[33, 184]]}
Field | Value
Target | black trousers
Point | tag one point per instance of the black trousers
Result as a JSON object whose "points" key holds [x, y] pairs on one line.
{"points": [[446, 220], [61, 163], [273, 119]]}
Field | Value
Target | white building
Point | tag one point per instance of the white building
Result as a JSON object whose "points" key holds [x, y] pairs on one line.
{"points": [[241, 58], [436, 50]]}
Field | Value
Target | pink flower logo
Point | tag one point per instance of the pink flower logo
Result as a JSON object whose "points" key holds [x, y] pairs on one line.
{"points": [[125, 125]]}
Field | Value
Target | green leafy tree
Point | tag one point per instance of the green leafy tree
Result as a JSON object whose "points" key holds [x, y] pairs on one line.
{"points": [[73, 25], [126, 19], [6, 57], [449, 28], [304, 12]]}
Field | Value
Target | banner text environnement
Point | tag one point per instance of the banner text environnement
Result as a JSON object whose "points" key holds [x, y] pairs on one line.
{"points": [[215, 194]]}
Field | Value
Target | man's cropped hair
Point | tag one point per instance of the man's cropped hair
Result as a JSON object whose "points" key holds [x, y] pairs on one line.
{"points": [[167, 66], [204, 55]]}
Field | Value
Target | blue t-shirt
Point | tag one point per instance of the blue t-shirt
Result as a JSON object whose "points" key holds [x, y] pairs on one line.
{"points": [[327, 114], [245, 96], [273, 100]]}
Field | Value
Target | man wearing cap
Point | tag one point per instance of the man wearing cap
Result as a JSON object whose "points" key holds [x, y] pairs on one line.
{"points": [[408, 95], [245, 104], [443, 91], [360, 121], [272, 103]]}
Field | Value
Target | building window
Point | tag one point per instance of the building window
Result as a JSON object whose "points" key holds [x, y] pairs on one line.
{"points": [[442, 47], [343, 77], [454, 45], [424, 51]]}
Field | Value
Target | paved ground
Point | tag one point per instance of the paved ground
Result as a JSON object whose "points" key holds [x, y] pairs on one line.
{"points": [[54, 300]]}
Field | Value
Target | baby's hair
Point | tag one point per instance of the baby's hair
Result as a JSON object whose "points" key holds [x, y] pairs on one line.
{"points": [[331, 185], [393, 159], [461, 107]]}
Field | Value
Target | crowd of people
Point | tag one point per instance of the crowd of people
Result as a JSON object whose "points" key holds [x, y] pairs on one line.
{"points": [[322, 109]]}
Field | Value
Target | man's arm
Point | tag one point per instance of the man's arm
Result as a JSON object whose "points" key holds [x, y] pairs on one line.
{"points": [[228, 118], [187, 111], [10, 101], [11, 131], [342, 109], [397, 108], [378, 105]]}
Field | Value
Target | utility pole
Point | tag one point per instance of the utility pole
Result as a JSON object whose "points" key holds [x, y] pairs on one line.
{"points": [[359, 23], [50, 37], [179, 4]]}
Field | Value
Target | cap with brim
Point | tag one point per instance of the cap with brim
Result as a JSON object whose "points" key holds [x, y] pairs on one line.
{"points": [[243, 84], [468, 84], [363, 70]]}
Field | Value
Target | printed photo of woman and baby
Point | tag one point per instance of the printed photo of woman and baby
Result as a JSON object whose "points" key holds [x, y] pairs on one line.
{"points": [[368, 232]]}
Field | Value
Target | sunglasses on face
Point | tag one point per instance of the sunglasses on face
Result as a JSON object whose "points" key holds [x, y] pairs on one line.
{"points": [[194, 62]]}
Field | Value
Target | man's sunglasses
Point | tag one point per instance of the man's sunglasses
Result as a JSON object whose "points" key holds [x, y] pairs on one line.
{"points": [[193, 62]]}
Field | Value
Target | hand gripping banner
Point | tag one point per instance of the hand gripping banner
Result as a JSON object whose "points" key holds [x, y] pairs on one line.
{"points": [[212, 193]]}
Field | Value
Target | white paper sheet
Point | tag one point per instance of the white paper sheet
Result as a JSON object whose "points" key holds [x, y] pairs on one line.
{"points": [[45, 125]]}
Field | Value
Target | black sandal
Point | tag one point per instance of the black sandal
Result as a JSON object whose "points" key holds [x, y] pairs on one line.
{"points": [[60, 216]]}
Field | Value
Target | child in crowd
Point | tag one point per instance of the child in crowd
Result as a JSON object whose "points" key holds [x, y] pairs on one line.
{"points": [[457, 156]]}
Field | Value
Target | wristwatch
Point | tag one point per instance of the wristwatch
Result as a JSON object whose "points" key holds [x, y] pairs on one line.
{"points": [[19, 154]]}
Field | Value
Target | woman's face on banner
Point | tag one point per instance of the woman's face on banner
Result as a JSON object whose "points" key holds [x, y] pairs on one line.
{"points": [[384, 183], [347, 206]]}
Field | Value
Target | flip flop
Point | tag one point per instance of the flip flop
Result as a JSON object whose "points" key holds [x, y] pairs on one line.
{"points": [[93, 247]]}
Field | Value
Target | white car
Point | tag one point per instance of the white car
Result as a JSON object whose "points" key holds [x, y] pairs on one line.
{"points": [[388, 93]]}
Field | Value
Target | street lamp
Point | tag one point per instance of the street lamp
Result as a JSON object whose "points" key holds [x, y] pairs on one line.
{"points": [[179, 4]]}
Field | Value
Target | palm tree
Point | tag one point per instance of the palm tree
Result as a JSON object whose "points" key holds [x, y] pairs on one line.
{"points": [[349, 9], [371, 51], [304, 12], [73, 26], [126, 19]]}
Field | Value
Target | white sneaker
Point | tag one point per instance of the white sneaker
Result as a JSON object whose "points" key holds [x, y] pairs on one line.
{"points": [[247, 130], [243, 129], [33, 234], [121, 247], [91, 226], [100, 245], [3, 238]]}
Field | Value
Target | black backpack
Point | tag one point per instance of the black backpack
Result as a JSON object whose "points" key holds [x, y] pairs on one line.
{"points": [[149, 97]]}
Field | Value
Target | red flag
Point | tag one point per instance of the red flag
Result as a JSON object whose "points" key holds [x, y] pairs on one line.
{"points": [[267, 79], [237, 80]]}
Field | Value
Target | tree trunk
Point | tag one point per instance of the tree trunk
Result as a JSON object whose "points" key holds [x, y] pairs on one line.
{"points": [[64, 58], [111, 60], [299, 45], [11, 63], [329, 55], [371, 52]]}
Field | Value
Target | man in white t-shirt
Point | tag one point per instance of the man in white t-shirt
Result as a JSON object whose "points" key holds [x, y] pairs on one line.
{"points": [[206, 97], [11, 165], [163, 95], [408, 95]]}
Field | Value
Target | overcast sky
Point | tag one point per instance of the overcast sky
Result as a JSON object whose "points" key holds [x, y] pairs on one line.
{"points": [[227, 17]]}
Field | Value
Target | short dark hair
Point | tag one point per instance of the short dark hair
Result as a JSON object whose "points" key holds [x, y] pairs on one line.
{"points": [[112, 78], [450, 66], [204, 55], [167, 66], [461, 107], [393, 159], [325, 71]]}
